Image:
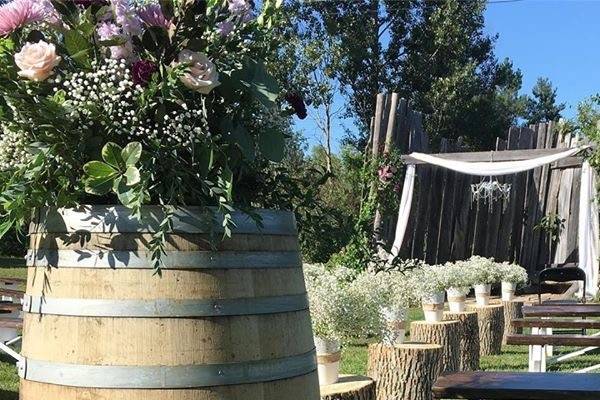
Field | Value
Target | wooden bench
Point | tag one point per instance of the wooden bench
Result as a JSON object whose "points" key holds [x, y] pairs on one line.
{"points": [[556, 323], [18, 281], [18, 294], [14, 323], [562, 310], [554, 340], [517, 386], [10, 307]]}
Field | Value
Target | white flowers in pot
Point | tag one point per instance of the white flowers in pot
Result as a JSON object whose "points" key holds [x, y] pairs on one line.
{"points": [[429, 285], [342, 307], [485, 272], [395, 293], [511, 275], [458, 282]]}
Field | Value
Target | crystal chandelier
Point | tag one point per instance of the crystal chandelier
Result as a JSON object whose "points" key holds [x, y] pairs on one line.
{"points": [[490, 191]]}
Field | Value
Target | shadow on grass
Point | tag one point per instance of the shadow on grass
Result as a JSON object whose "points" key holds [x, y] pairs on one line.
{"points": [[5, 395]]}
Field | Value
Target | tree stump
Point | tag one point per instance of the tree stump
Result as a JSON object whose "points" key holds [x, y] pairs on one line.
{"points": [[404, 372], [491, 329], [350, 387], [512, 310], [469, 339], [446, 334]]}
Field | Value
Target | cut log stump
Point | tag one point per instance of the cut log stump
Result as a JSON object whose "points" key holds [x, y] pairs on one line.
{"points": [[491, 329], [446, 334], [404, 372], [469, 339], [350, 387], [512, 310]]}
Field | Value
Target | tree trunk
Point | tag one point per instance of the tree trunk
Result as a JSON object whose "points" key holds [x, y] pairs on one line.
{"points": [[469, 339], [512, 310], [404, 372], [446, 334], [350, 387], [491, 329]]}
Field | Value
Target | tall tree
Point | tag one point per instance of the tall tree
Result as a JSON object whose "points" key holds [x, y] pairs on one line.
{"points": [[451, 74], [542, 106]]}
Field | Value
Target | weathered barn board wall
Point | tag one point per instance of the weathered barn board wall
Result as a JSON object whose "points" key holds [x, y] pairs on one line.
{"points": [[446, 225]]}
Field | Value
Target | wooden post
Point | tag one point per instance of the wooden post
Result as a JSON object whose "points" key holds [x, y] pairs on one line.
{"points": [[491, 329], [446, 334], [407, 371], [350, 387], [512, 310], [469, 339]]}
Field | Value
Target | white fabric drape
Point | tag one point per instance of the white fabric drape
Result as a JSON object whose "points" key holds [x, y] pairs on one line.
{"points": [[588, 231], [494, 168], [404, 210], [588, 234]]}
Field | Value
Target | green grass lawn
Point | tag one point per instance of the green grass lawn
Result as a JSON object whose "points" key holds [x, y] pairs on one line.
{"points": [[354, 358], [513, 358]]}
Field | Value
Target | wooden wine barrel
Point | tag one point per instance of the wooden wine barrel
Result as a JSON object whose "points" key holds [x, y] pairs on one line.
{"points": [[224, 323]]}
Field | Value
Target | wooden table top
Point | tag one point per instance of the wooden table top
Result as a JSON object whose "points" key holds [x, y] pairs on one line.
{"points": [[563, 310], [518, 386], [556, 323]]}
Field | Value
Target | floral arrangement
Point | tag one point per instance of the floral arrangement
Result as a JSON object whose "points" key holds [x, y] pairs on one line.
{"points": [[513, 273], [428, 280], [345, 305], [457, 275], [164, 102], [483, 271]]}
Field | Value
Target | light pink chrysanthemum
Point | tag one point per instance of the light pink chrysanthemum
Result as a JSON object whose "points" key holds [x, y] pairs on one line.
{"points": [[225, 28], [108, 30], [126, 17], [19, 13], [152, 15]]}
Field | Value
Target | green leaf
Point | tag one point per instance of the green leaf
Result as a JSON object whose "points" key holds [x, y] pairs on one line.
{"points": [[272, 144], [78, 47], [244, 140], [262, 85], [127, 195], [114, 41], [132, 175], [98, 169], [112, 154], [131, 153], [5, 227], [167, 8], [154, 39], [98, 186]]}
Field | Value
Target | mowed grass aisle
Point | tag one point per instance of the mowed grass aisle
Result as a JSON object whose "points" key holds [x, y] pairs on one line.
{"points": [[354, 361]]}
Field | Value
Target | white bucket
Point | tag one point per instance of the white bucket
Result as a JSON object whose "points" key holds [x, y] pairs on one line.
{"points": [[482, 294], [328, 357], [457, 298], [395, 325], [508, 291], [433, 307]]}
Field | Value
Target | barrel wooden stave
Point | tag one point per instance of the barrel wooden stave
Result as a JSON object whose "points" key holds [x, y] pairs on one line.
{"points": [[135, 341], [299, 388]]}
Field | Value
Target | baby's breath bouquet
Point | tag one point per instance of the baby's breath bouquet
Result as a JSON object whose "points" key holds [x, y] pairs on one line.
{"points": [[428, 280], [457, 275], [164, 102], [484, 271], [512, 273]]}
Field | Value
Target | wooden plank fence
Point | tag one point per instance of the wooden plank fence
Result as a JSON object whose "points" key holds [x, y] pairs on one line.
{"points": [[445, 224]]}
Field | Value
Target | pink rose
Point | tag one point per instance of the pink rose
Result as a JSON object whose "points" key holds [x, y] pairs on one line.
{"points": [[37, 61], [202, 75]]}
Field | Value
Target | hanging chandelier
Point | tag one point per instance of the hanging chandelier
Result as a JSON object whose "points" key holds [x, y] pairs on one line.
{"points": [[491, 191]]}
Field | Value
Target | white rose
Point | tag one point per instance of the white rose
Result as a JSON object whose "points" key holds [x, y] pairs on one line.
{"points": [[202, 75], [37, 61]]}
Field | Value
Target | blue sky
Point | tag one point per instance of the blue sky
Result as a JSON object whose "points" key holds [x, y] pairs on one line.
{"points": [[558, 39]]}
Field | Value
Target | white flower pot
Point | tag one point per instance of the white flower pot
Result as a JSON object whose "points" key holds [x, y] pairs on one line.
{"points": [[482, 294], [328, 359], [395, 325], [508, 291], [457, 298], [433, 307]]}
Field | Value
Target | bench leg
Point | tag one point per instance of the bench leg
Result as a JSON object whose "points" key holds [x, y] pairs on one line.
{"points": [[537, 354], [549, 348]]}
